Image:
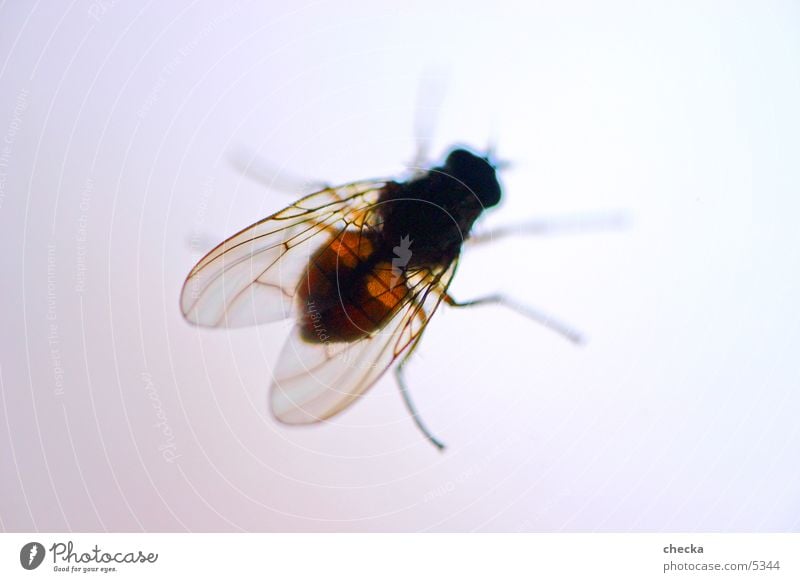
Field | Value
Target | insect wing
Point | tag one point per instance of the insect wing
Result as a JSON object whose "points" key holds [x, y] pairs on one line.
{"points": [[314, 381], [252, 277]]}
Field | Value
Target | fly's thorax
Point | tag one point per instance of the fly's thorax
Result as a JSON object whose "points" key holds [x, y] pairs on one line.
{"points": [[434, 213]]}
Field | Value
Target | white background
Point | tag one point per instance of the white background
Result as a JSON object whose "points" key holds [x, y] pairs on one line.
{"points": [[681, 413]]}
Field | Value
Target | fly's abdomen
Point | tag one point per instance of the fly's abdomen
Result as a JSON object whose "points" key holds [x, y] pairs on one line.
{"points": [[348, 292]]}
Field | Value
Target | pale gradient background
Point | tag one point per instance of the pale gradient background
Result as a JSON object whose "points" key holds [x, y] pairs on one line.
{"points": [[681, 413]]}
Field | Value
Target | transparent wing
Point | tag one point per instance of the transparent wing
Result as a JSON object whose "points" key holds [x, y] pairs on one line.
{"points": [[314, 381], [252, 277]]}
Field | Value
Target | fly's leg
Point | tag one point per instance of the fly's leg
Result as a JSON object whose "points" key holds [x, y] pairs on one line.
{"points": [[567, 224], [575, 223], [273, 177], [551, 323], [561, 328], [430, 96], [398, 372], [401, 383]]}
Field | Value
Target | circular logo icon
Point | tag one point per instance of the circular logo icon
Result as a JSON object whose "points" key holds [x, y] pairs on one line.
{"points": [[31, 555]]}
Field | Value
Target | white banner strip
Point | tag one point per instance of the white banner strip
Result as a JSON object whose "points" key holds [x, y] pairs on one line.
{"points": [[401, 557]]}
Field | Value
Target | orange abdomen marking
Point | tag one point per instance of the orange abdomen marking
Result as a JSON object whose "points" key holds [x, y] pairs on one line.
{"points": [[349, 291]]}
